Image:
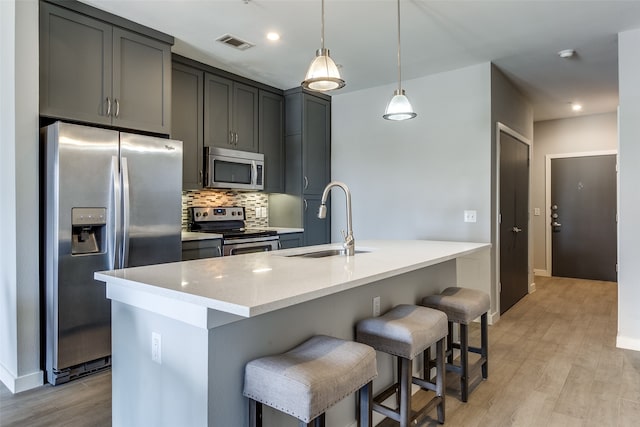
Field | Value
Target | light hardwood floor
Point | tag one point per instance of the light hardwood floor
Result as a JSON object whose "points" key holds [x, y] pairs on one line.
{"points": [[552, 362]]}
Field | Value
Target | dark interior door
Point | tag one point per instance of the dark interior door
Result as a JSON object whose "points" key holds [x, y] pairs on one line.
{"points": [[583, 217], [514, 220]]}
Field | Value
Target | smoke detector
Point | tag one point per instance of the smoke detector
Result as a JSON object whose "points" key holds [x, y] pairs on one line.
{"points": [[566, 53], [234, 42]]}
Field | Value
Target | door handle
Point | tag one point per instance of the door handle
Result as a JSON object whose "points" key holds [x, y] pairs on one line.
{"points": [[126, 210], [108, 106], [306, 182], [117, 107], [516, 229], [556, 224]]}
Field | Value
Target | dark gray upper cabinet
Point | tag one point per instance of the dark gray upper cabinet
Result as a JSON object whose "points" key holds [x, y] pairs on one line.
{"points": [[186, 121], [308, 142], [230, 114], [95, 72], [271, 139]]}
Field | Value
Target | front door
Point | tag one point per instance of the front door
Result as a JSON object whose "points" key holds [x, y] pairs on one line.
{"points": [[514, 220], [583, 217]]}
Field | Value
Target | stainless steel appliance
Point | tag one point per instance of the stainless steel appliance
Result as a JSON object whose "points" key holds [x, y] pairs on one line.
{"points": [[230, 223], [112, 200], [240, 170]]}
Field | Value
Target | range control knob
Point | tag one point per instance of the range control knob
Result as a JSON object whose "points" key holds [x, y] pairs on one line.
{"points": [[205, 214]]}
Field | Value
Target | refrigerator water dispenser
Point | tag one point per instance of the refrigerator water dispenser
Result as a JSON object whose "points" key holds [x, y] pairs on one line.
{"points": [[88, 229]]}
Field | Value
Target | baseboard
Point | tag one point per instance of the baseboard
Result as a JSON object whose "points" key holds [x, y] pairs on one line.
{"points": [[532, 287], [493, 317], [540, 272], [628, 343], [22, 383]]}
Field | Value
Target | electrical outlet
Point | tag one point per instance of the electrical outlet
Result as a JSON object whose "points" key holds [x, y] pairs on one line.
{"points": [[376, 306], [258, 212], [156, 347], [470, 216], [263, 212], [536, 211]]}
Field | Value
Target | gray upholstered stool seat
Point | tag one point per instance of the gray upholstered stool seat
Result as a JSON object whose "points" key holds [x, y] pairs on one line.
{"points": [[306, 381], [406, 331], [462, 306]]}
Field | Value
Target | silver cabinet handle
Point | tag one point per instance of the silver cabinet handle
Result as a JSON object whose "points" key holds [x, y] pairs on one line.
{"points": [[200, 177], [516, 229], [556, 224], [219, 249], [230, 137], [117, 107], [306, 182], [306, 205], [108, 106], [236, 140]]}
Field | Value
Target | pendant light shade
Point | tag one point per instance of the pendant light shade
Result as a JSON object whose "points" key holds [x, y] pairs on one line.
{"points": [[399, 108], [323, 74]]}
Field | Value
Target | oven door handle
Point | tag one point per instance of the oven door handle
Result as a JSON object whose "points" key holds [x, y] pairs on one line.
{"points": [[240, 248]]}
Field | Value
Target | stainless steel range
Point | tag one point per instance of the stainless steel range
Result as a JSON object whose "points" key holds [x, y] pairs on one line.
{"points": [[230, 223]]}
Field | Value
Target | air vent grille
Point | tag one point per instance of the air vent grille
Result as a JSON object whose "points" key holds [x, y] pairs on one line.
{"points": [[234, 42]]}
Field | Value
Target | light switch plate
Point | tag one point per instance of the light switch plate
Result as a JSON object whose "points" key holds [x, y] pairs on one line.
{"points": [[536, 211], [470, 216]]}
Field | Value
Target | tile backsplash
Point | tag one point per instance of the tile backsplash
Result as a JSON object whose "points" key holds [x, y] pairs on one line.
{"points": [[211, 198]]}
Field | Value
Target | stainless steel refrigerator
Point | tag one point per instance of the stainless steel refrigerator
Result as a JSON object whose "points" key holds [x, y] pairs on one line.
{"points": [[112, 200]]}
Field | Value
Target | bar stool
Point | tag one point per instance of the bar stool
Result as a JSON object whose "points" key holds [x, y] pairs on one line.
{"points": [[405, 332], [462, 305], [306, 381]]}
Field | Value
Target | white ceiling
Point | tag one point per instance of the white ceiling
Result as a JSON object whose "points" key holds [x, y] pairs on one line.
{"points": [[522, 37]]}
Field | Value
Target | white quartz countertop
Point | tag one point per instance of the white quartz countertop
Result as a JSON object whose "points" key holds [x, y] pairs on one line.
{"points": [[257, 283]]}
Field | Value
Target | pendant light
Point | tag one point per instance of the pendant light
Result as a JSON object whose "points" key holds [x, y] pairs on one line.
{"points": [[323, 74], [399, 108]]}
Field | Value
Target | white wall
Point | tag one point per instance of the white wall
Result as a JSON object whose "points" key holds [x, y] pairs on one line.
{"points": [[19, 281], [432, 167], [575, 135], [629, 203]]}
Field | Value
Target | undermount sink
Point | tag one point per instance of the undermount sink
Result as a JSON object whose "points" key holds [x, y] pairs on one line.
{"points": [[325, 253]]}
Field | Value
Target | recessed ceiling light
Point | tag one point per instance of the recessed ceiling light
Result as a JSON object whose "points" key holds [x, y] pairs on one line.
{"points": [[566, 53], [273, 36], [576, 107]]}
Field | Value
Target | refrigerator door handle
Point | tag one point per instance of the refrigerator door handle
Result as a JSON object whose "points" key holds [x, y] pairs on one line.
{"points": [[126, 213], [115, 214]]}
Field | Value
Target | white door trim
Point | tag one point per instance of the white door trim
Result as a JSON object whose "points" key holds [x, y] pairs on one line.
{"points": [[500, 127], [547, 195]]}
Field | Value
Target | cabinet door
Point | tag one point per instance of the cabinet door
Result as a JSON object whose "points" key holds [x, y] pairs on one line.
{"points": [[316, 140], [316, 230], [291, 240], [141, 82], [217, 111], [245, 117], [186, 121], [271, 140], [75, 65]]}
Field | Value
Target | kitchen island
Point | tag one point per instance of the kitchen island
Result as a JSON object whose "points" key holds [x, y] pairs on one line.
{"points": [[182, 332]]}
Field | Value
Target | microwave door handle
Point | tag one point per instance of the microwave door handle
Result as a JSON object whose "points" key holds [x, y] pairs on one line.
{"points": [[254, 174]]}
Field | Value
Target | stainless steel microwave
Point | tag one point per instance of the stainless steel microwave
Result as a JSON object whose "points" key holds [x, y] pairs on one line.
{"points": [[233, 169]]}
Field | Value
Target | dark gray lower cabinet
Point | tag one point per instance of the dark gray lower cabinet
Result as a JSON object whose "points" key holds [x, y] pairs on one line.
{"points": [[291, 240], [186, 121], [198, 249], [316, 231]]}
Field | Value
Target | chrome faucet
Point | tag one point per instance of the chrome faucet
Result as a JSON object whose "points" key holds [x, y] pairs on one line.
{"points": [[349, 244]]}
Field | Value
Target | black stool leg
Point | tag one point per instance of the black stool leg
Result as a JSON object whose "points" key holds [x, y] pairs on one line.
{"points": [[449, 353], [440, 378], [464, 361], [366, 402], [405, 391], [255, 413], [484, 345]]}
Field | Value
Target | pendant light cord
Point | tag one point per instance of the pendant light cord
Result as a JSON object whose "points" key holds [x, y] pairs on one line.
{"points": [[322, 35], [399, 69]]}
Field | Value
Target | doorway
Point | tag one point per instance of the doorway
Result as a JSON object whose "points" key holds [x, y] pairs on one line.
{"points": [[513, 216], [582, 227]]}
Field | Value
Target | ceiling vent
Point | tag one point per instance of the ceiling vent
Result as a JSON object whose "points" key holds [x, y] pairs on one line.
{"points": [[234, 42]]}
